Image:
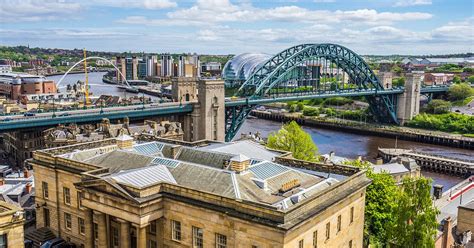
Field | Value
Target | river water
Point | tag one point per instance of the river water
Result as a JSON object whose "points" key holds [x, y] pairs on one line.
{"points": [[97, 87], [342, 143]]}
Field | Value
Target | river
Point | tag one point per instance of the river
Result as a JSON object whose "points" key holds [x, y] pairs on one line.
{"points": [[342, 143], [97, 87]]}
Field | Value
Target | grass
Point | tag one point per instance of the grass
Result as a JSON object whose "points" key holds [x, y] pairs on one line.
{"points": [[464, 102]]}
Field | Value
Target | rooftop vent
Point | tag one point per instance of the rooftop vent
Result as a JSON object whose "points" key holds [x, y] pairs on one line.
{"points": [[239, 163], [124, 141]]}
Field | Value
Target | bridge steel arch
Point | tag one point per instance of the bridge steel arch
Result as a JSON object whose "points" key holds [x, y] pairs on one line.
{"points": [[275, 70], [91, 57]]}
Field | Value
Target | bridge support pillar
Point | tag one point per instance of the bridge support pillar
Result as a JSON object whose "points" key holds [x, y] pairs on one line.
{"points": [[409, 102], [207, 121], [386, 79]]}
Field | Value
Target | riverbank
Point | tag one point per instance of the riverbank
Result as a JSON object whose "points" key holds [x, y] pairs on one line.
{"points": [[402, 133]]}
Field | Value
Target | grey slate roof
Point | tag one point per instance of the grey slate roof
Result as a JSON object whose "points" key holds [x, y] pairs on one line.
{"points": [[143, 177], [119, 160], [248, 148], [393, 168]]}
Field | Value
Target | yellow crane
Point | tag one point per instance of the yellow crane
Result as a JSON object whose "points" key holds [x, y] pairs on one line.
{"points": [[88, 102]]}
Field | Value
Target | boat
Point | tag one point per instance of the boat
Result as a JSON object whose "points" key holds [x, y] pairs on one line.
{"points": [[108, 80], [131, 89]]}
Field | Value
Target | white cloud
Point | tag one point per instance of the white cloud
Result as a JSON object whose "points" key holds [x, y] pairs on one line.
{"points": [[404, 3], [222, 11], [456, 31], [36, 10], [146, 4]]}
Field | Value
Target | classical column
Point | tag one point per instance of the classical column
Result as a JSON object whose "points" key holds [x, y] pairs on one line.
{"points": [[102, 229], [124, 233], [89, 227], [141, 236]]}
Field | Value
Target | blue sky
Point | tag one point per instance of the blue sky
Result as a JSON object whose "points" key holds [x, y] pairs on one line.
{"points": [[224, 27]]}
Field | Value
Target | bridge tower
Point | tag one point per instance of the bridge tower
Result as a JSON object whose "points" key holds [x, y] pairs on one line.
{"points": [[184, 89], [386, 79], [409, 102], [207, 121]]}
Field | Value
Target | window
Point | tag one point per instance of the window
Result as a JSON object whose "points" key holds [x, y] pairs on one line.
{"points": [[96, 231], [3, 241], [315, 239], [82, 226], [45, 190], [79, 199], [301, 244], [352, 214], [350, 244], [176, 230], [197, 237], [115, 236], [152, 227], [67, 220], [221, 241], [67, 196], [152, 244], [328, 230], [46, 217], [339, 223]]}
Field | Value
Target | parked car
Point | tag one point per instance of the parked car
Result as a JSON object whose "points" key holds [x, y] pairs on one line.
{"points": [[63, 114], [29, 114], [57, 243]]}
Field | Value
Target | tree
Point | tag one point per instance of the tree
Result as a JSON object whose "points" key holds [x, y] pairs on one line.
{"points": [[459, 92], [438, 106], [291, 137], [415, 224], [470, 79], [380, 205], [456, 79]]}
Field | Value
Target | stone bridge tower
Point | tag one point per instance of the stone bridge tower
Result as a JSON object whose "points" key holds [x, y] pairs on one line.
{"points": [[207, 121], [408, 103]]}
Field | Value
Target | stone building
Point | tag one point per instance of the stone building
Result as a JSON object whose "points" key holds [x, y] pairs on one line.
{"points": [[11, 226], [125, 193]]}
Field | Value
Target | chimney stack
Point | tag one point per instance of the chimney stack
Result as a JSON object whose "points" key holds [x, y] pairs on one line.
{"points": [[26, 173], [28, 188]]}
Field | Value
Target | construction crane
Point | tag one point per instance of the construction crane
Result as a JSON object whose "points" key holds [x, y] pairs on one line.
{"points": [[88, 102]]}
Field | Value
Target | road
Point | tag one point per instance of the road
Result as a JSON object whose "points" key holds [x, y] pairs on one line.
{"points": [[451, 209], [62, 113]]}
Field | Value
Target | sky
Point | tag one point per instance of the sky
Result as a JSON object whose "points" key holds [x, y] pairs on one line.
{"points": [[231, 27]]}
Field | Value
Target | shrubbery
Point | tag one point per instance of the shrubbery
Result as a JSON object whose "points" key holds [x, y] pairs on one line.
{"points": [[451, 122]]}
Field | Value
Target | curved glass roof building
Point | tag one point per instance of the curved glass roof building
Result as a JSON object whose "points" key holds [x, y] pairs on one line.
{"points": [[239, 68]]}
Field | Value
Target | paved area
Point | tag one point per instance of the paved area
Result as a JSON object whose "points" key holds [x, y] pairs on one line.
{"points": [[451, 208]]}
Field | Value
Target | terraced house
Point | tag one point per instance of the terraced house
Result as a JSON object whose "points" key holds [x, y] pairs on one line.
{"points": [[127, 193]]}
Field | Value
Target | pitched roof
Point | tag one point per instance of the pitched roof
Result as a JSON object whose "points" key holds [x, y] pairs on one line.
{"points": [[143, 177]]}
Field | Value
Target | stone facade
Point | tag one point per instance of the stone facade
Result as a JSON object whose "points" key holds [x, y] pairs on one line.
{"points": [[11, 226], [409, 102], [97, 206]]}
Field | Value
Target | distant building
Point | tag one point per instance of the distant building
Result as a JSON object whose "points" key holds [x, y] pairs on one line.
{"points": [[438, 78], [166, 63], [14, 85], [128, 67], [151, 65], [399, 168], [212, 68], [18, 188], [465, 224], [11, 228]]}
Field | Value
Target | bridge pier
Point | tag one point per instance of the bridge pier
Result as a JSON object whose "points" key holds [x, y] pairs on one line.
{"points": [[408, 103], [207, 121]]}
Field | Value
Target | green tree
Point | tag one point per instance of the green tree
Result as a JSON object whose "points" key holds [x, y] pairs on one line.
{"points": [[438, 106], [456, 79], [459, 92], [380, 205], [470, 79], [415, 224], [291, 137]]}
